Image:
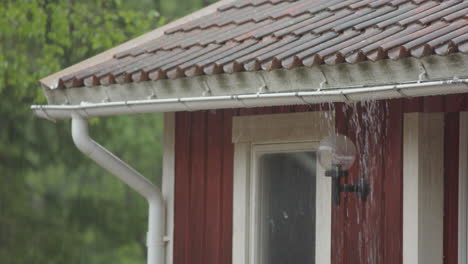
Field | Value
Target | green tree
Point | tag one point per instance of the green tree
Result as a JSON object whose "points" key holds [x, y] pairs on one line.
{"points": [[55, 205]]}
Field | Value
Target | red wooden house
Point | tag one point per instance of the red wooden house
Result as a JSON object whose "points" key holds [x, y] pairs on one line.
{"points": [[251, 88]]}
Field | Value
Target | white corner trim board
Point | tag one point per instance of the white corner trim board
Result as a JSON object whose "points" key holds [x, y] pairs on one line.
{"points": [[168, 181], [463, 191], [423, 188], [107, 160]]}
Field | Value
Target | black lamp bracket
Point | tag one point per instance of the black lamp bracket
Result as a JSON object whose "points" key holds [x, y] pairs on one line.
{"points": [[361, 188]]}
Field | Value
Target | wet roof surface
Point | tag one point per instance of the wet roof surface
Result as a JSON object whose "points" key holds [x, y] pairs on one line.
{"points": [[270, 34]]}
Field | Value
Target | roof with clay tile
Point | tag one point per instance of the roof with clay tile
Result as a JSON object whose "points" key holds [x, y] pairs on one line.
{"points": [[253, 35]]}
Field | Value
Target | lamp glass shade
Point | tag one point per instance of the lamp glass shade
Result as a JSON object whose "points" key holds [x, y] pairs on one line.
{"points": [[336, 150]]}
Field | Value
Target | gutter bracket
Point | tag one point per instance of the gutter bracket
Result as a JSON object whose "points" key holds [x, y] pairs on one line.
{"points": [[400, 92], [422, 73], [323, 82], [302, 99], [128, 106], [152, 96], [207, 89], [48, 117], [185, 104], [262, 89], [345, 97], [236, 97]]}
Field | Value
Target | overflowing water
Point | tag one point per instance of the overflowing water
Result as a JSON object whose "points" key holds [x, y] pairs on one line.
{"points": [[365, 124], [358, 225]]}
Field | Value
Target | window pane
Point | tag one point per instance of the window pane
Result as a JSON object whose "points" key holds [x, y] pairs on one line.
{"points": [[286, 233]]}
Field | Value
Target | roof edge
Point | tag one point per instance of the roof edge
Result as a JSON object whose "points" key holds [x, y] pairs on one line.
{"points": [[51, 81], [324, 77], [423, 88]]}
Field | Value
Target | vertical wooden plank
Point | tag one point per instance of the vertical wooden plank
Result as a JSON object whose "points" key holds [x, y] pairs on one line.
{"points": [[214, 144], [338, 212], [168, 181], [182, 187], [354, 245], [451, 150], [413, 105], [197, 188], [227, 188], [372, 139], [455, 102], [465, 103], [393, 185], [433, 104]]}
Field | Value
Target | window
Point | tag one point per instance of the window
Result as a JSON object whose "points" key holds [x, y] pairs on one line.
{"points": [[282, 199], [286, 213]]}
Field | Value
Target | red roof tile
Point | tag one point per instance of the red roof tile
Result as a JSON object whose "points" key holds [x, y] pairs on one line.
{"points": [[251, 35]]}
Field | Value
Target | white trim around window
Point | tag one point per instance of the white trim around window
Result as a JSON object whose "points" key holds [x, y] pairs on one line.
{"points": [[463, 191], [276, 133]]}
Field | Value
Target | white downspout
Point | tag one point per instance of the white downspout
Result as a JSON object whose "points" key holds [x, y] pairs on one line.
{"points": [[107, 160]]}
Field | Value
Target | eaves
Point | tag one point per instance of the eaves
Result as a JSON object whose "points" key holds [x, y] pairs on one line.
{"points": [[323, 77]]}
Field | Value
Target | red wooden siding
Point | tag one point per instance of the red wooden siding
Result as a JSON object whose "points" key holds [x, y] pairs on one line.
{"points": [[362, 221], [392, 223], [182, 221], [363, 232], [227, 196], [451, 150], [339, 212], [203, 187]]}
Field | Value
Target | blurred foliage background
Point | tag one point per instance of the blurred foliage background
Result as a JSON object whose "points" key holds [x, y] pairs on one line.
{"points": [[56, 206]]}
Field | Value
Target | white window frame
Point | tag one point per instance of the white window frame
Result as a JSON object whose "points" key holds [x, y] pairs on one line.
{"points": [[322, 201], [278, 133], [463, 191]]}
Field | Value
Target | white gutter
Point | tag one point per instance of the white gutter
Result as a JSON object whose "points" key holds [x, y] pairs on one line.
{"points": [[107, 160], [350, 94]]}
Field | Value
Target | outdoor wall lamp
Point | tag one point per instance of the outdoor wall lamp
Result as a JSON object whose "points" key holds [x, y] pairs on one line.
{"points": [[337, 154]]}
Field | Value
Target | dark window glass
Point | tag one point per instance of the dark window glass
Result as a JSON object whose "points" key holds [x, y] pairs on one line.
{"points": [[286, 233]]}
